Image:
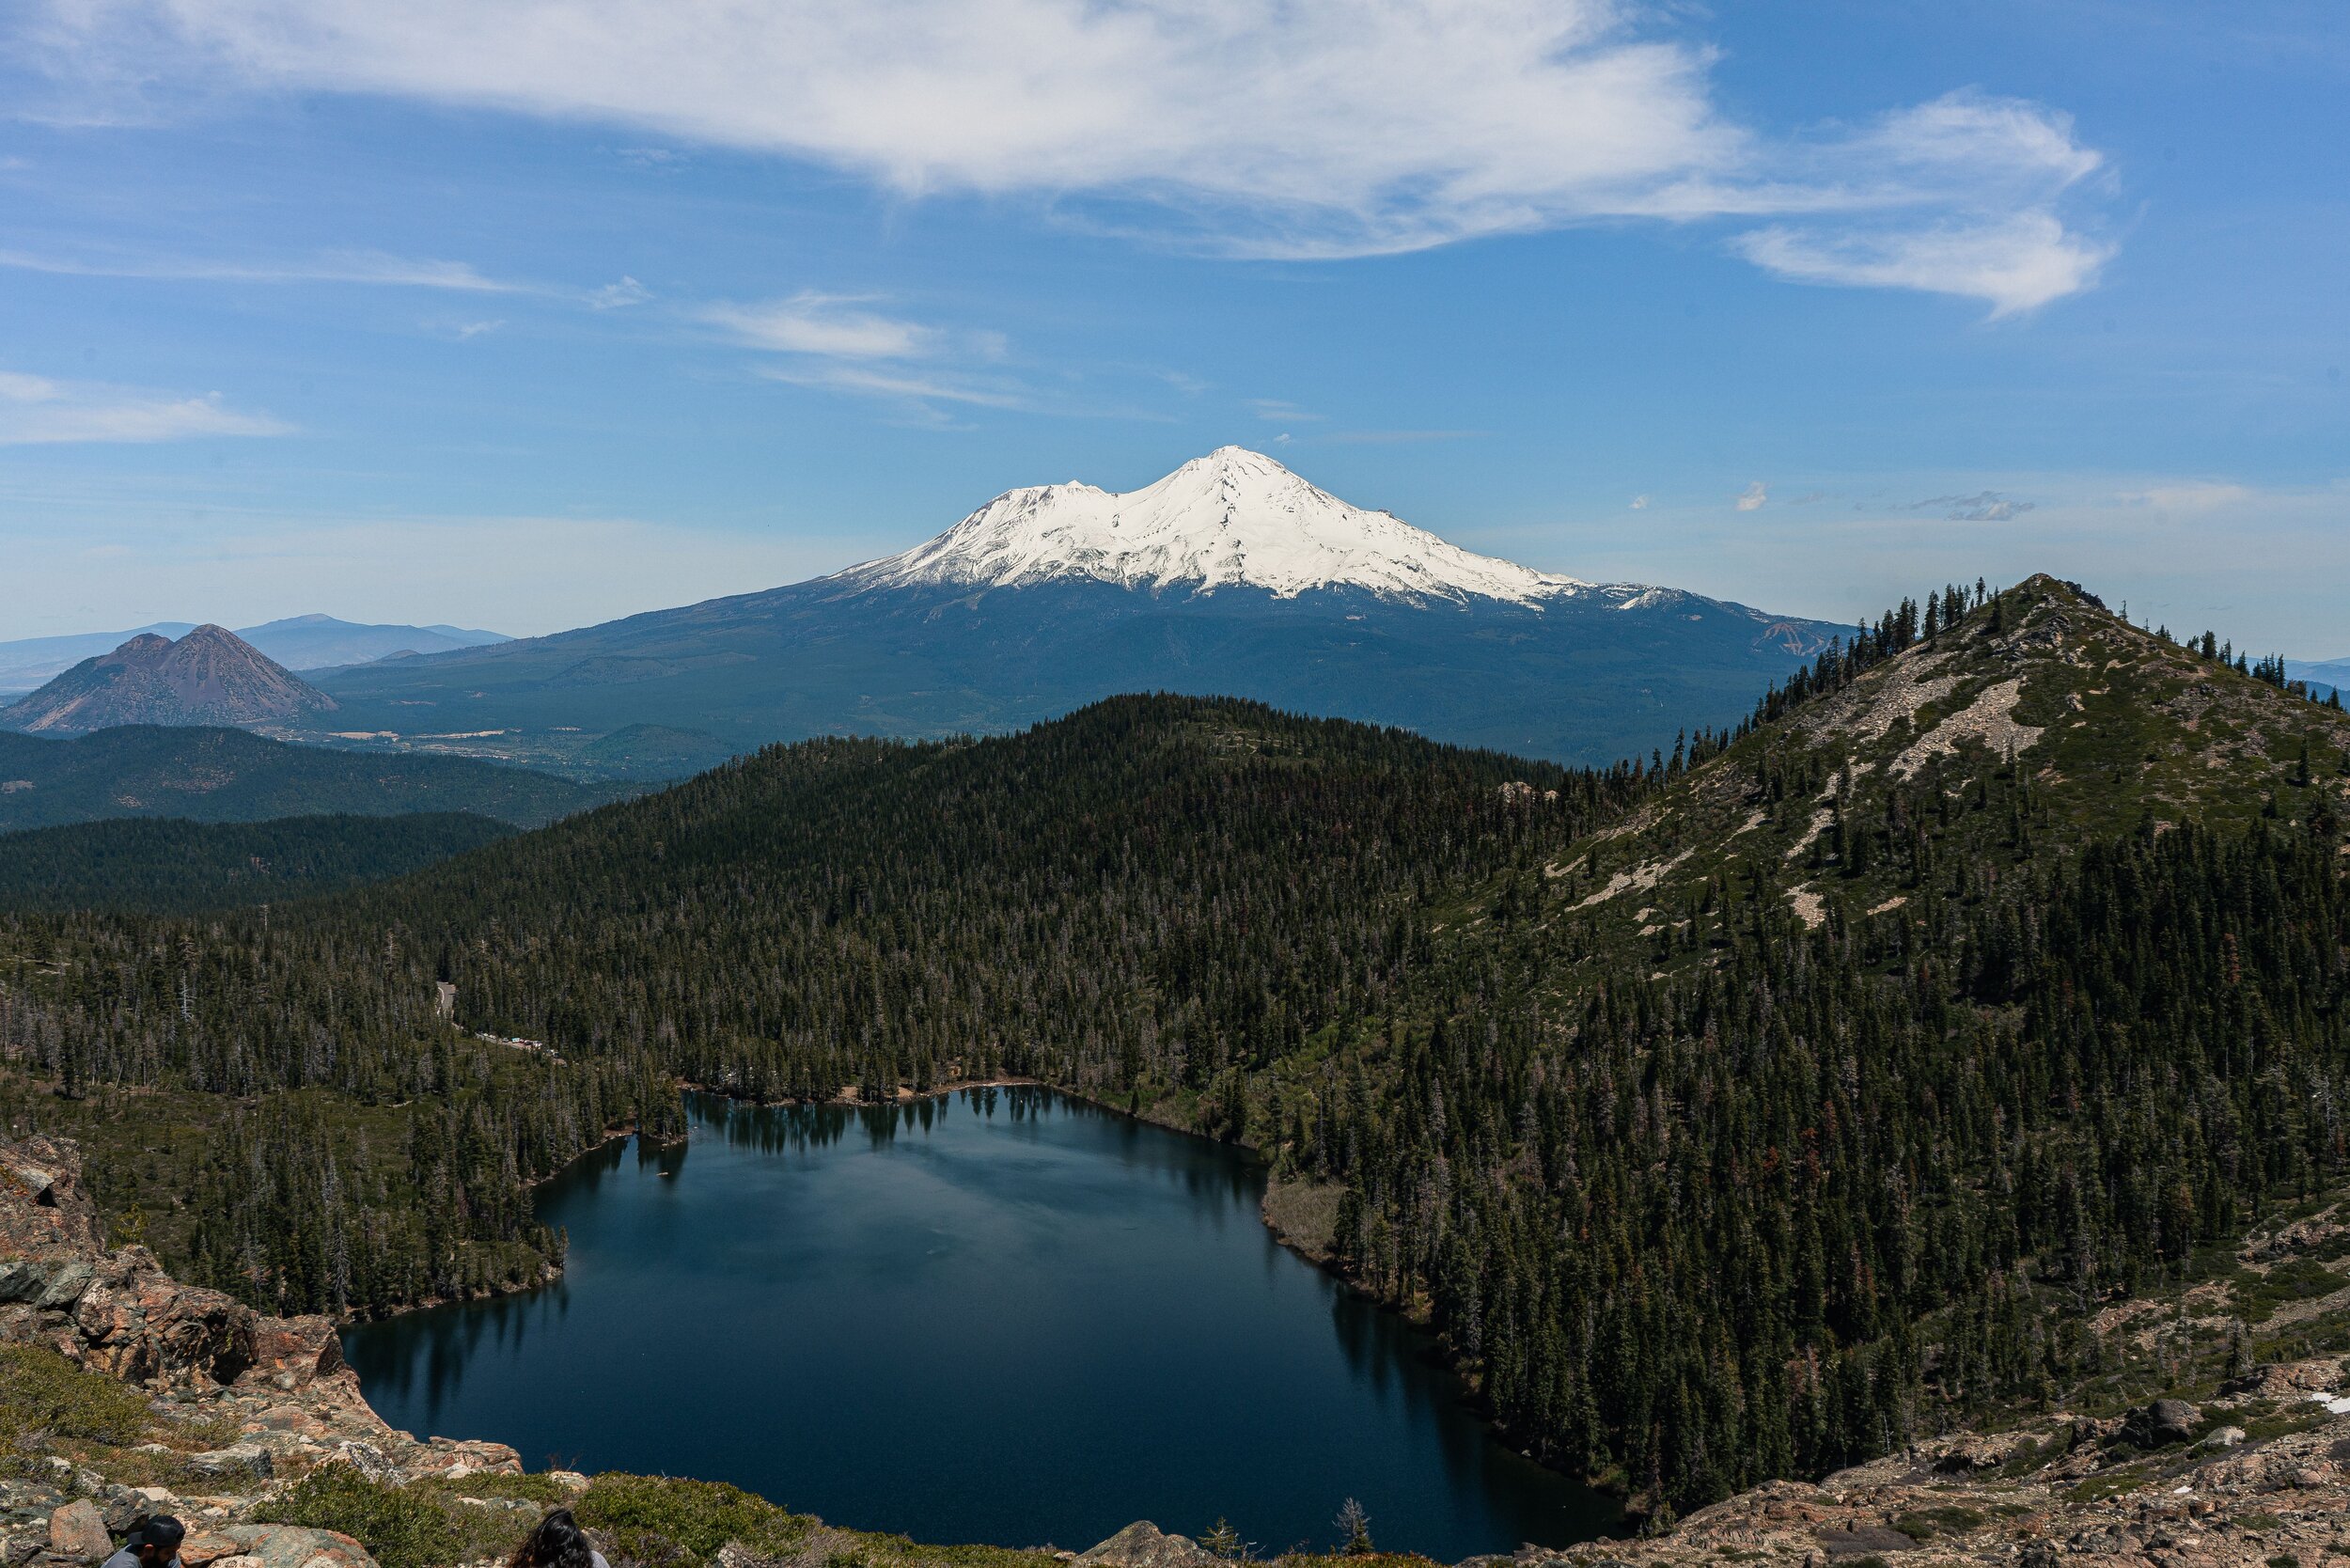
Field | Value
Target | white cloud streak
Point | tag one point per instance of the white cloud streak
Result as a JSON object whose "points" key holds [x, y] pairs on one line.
{"points": [[1753, 496], [915, 386], [2016, 264], [37, 411], [833, 325], [373, 268], [1343, 128]]}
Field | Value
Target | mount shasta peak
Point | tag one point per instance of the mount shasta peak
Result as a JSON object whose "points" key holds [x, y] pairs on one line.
{"points": [[1230, 575]]}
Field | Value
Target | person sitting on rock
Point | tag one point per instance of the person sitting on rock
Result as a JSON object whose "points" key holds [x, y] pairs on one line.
{"points": [[557, 1542], [153, 1542]]}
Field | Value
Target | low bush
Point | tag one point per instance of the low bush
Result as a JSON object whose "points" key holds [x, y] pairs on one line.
{"points": [[403, 1526], [660, 1521], [41, 1392]]}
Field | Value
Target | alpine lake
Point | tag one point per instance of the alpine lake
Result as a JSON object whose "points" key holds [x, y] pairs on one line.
{"points": [[1002, 1315]]}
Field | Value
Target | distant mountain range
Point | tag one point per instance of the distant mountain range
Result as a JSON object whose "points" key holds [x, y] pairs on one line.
{"points": [[1229, 576], [2327, 675], [297, 642], [210, 677], [228, 776]]}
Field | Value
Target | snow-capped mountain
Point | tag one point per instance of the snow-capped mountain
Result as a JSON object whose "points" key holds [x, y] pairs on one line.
{"points": [[1231, 576], [1232, 519]]}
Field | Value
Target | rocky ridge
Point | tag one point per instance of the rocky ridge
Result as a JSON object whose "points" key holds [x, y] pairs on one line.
{"points": [[2042, 719]]}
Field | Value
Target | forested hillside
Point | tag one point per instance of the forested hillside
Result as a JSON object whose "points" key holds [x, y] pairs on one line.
{"points": [[166, 865], [1732, 1114], [228, 776]]}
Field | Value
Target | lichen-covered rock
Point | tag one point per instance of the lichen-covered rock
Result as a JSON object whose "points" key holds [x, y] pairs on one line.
{"points": [[78, 1532], [237, 1460], [1143, 1544], [273, 1546]]}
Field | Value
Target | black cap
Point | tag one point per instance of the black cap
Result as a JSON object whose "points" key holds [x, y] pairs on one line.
{"points": [[161, 1530]]}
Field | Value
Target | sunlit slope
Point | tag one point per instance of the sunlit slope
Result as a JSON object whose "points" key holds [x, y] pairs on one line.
{"points": [[2040, 721]]}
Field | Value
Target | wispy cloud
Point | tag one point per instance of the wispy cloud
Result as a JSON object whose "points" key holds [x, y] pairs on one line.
{"points": [[909, 385], [2015, 263], [1640, 503], [2189, 495], [1352, 128], [842, 343], [37, 411], [1273, 411], [835, 326], [1987, 506], [374, 268], [1753, 496]]}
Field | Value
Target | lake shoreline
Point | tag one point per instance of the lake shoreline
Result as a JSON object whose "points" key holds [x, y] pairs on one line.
{"points": [[1295, 1214], [750, 1243]]}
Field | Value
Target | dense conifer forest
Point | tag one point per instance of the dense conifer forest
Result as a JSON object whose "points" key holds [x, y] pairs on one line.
{"points": [[1733, 1183], [169, 866]]}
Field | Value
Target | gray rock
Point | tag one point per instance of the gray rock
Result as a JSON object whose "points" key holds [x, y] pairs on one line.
{"points": [[66, 1286], [78, 1530], [2166, 1421], [366, 1458], [1142, 1544], [22, 1279], [238, 1459]]}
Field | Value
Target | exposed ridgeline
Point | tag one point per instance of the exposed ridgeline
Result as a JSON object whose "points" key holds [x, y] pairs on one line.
{"points": [[1735, 1116], [1819, 1104]]}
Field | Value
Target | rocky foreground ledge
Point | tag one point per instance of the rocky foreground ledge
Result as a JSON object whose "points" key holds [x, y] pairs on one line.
{"points": [[233, 1420]]}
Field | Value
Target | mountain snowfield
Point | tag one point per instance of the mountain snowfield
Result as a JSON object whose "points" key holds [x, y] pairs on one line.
{"points": [[1232, 519], [1231, 576]]}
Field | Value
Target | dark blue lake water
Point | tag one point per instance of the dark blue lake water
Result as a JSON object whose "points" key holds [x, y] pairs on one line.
{"points": [[1006, 1316]]}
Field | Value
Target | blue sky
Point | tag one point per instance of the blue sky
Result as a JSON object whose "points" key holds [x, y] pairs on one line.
{"points": [[531, 314]]}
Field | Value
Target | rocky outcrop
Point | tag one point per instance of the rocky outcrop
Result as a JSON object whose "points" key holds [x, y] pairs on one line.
{"points": [[2019, 1497], [282, 1380], [1143, 1544], [2165, 1420]]}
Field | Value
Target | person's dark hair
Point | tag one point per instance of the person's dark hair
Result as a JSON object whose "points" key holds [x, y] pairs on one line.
{"points": [[557, 1542], [158, 1529]]}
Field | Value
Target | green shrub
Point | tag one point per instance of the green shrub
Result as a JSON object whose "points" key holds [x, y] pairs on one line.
{"points": [[540, 1489], [404, 1526], [42, 1391], [1924, 1524], [658, 1520]]}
